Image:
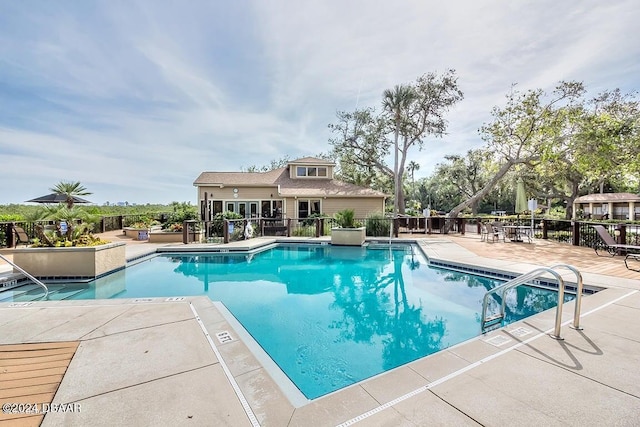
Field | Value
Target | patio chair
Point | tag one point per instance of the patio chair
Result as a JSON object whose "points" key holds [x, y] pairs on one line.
{"points": [[609, 245], [21, 236], [484, 232], [498, 231]]}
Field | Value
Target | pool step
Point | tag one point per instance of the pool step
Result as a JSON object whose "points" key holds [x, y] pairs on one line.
{"points": [[22, 293], [32, 292], [492, 322], [65, 292]]}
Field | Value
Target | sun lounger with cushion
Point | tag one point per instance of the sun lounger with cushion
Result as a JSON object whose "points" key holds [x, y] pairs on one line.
{"points": [[21, 236], [632, 257], [609, 245]]}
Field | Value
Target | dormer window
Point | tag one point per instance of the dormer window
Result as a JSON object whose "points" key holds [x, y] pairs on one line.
{"points": [[311, 171]]}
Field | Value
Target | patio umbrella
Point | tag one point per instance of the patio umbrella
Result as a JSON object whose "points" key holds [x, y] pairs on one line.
{"points": [[521, 197], [57, 198]]}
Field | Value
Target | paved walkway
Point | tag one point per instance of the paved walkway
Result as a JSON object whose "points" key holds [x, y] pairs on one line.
{"points": [[149, 361]]}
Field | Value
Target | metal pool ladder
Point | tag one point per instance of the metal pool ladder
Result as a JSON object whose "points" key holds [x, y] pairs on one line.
{"points": [[33, 279], [527, 277]]}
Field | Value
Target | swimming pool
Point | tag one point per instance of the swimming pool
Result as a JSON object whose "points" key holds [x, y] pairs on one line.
{"points": [[329, 316]]}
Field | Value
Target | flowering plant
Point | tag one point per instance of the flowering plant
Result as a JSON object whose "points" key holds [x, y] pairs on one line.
{"points": [[174, 227]]}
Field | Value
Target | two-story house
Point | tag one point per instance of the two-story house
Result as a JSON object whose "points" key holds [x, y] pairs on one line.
{"points": [[304, 187]]}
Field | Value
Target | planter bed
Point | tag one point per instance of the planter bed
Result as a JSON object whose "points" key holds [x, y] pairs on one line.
{"points": [[136, 233], [348, 236], [90, 261], [165, 237]]}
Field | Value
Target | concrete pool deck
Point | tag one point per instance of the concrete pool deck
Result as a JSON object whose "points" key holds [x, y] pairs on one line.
{"points": [[158, 362]]}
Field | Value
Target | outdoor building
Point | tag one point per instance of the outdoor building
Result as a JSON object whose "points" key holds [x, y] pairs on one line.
{"points": [[608, 206], [302, 188]]}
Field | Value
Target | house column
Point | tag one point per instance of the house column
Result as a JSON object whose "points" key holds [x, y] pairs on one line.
{"points": [[610, 210], [590, 209], [632, 212]]}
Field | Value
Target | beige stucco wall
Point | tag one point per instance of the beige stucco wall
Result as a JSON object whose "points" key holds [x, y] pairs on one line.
{"points": [[86, 261], [362, 206]]}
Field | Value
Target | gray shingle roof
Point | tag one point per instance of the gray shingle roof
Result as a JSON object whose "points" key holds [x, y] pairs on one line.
{"points": [[253, 179], [288, 187], [312, 160]]}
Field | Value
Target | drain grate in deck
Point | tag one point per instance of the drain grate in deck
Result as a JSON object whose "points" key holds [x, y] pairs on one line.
{"points": [[498, 340], [520, 332]]}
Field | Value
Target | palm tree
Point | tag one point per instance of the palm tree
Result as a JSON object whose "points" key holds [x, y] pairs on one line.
{"points": [[412, 167], [69, 190], [396, 102]]}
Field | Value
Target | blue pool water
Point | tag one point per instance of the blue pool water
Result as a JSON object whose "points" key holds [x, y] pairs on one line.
{"points": [[329, 316]]}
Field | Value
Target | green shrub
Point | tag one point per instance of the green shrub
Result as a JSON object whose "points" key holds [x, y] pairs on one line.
{"points": [[304, 231], [11, 218], [217, 223], [181, 212], [345, 218], [310, 220], [78, 236]]}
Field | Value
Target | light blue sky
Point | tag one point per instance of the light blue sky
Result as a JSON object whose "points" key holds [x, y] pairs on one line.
{"points": [[136, 98]]}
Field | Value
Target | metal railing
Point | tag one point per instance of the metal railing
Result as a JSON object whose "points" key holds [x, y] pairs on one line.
{"points": [[527, 277], [230, 230], [36, 281]]}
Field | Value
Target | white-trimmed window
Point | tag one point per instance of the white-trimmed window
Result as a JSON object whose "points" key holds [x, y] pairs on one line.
{"points": [[311, 171], [271, 208], [307, 207]]}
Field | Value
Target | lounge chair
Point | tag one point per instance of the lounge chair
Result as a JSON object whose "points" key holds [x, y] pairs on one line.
{"points": [[21, 236], [609, 245]]}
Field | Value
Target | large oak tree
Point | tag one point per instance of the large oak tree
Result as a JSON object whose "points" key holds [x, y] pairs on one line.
{"points": [[410, 114]]}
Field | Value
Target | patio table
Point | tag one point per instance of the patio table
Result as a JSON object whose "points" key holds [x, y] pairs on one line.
{"points": [[517, 232]]}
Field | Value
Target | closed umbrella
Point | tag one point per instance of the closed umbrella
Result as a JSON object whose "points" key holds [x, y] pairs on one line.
{"points": [[521, 205], [521, 197]]}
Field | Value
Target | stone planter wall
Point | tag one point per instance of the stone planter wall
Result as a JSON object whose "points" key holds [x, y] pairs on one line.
{"points": [[165, 237], [348, 236], [89, 261], [134, 233]]}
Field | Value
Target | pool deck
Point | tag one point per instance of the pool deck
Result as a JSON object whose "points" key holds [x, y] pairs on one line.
{"points": [[158, 361]]}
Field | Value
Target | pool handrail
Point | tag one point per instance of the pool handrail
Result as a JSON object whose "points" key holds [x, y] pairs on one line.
{"points": [[523, 279], [579, 290], [33, 279]]}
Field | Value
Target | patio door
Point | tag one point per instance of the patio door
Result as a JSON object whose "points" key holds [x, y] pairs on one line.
{"points": [[246, 209]]}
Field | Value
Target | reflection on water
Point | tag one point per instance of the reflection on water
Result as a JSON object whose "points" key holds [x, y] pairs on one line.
{"points": [[330, 316]]}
